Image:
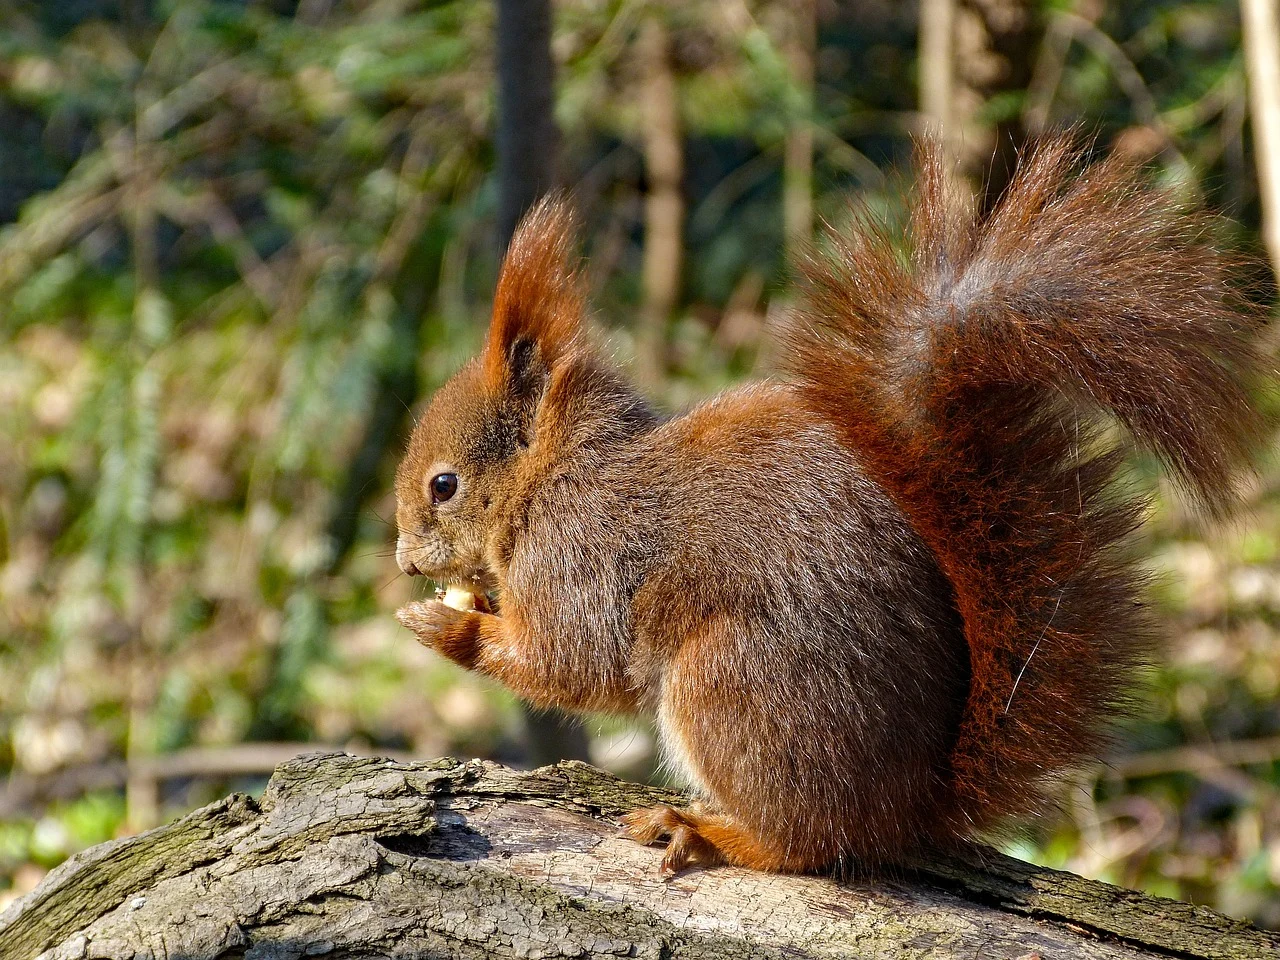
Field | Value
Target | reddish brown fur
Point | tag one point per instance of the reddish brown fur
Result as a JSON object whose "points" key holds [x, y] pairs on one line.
{"points": [[538, 298], [874, 608], [970, 379]]}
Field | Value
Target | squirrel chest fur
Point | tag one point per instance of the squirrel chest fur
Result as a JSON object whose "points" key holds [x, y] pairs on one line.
{"points": [[875, 606]]}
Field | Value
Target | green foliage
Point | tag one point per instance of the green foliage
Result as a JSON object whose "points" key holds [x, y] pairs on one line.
{"points": [[64, 829], [238, 233]]}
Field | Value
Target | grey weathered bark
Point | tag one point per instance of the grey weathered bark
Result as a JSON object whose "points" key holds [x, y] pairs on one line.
{"points": [[347, 857]]}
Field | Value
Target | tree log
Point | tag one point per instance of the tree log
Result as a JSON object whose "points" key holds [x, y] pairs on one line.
{"points": [[347, 857]]}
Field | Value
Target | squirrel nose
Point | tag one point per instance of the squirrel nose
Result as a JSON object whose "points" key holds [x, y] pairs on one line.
{"points": [[403, 561]]}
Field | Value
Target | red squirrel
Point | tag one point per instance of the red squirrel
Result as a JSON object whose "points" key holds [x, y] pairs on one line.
{"points": [[876, 604]]}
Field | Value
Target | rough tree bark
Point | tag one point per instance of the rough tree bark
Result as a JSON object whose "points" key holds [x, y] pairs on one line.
{"points": [[347, 857]]}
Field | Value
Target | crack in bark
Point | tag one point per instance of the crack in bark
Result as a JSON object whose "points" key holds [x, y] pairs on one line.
{"points": [[348, 858]]}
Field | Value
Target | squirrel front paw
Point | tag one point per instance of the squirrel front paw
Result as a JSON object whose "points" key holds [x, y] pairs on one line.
{"points": [[454, 634]]}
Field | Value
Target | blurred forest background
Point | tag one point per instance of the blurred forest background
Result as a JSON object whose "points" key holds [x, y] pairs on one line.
{"points": [[241, 238]]}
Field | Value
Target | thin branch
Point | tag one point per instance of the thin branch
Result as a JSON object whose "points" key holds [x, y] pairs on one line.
{"points": [[797, 163], [1047, 74], [24, 795], [208, 209], [1197, 759]]}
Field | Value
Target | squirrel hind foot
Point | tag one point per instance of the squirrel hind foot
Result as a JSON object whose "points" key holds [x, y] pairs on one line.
{"points": [[694, 837]]}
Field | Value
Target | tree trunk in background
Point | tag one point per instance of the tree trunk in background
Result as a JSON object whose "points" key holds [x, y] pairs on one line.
{"points": [[526, 146], [996, 42], [937, 80], [1261, 22], [797, 172], [395, 387], [526, 135], [664, 202], [937, 66]]}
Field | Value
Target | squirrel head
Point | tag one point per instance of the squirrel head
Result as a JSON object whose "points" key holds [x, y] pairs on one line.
{"points": [[500, 422]]}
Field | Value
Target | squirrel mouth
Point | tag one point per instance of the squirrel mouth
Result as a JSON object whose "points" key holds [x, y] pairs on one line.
{"points": [[466, 597], [467, 590]]}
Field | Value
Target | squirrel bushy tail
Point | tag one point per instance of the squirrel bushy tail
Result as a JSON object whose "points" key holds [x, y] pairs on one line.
{"points": [[969, 374]]}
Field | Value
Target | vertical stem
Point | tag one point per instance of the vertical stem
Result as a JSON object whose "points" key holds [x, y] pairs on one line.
{"points": [[937, 66], [664, 204], [993, 52], [1046, 75], [142, 792], [1261, 22], [797, 175], [938, 56]]}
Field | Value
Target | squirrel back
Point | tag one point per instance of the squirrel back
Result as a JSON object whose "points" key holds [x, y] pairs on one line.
{"points": [[973, 378]]}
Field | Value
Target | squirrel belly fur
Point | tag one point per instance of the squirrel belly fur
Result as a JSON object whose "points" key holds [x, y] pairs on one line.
{"points": [[877, 604]]}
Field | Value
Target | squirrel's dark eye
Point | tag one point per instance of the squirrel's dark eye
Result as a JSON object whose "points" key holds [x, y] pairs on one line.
{"points": [[443, 486]]}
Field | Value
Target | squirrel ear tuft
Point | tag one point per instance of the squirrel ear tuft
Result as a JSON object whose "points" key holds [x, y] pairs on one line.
{"points": [[537, 308]]}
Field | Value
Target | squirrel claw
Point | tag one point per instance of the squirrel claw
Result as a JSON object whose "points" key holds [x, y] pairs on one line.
{"points": [[687, 848], [685, 845], [676, 861]]}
